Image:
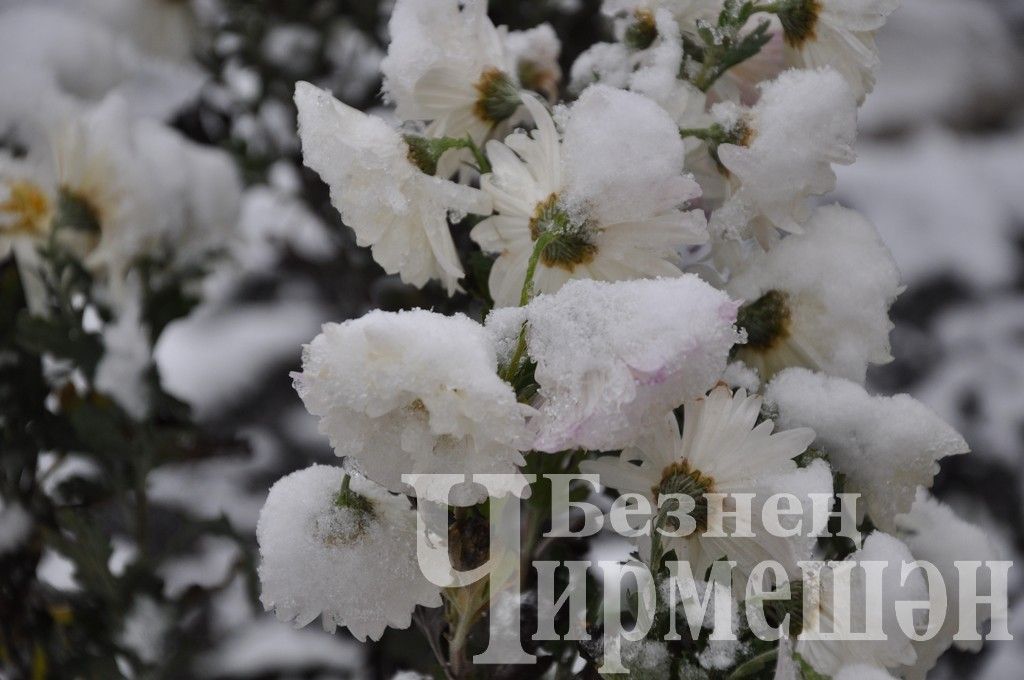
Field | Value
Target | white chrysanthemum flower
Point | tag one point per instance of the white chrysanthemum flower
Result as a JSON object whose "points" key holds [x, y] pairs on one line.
{"points": [[836, 33], [414, 392], [602, 223], [351, 560], [828, 656], [781, 152], [612, 358], [389, 202], [448, 64], [120, 189], [535, 55], [722, 449], [819, 299], [885, 446], [935, 534]]}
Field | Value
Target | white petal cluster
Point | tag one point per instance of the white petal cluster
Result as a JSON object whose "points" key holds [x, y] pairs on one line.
{"points": [[393, 207], [414, 392], [352, 567], [885, 446], [609, 224], [804, 122], [612, 357], [723, 449], [832, 287], [830, 656]]}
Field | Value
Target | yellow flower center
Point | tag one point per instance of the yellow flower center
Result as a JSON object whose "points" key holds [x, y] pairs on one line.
{"points": [[29, 207]]}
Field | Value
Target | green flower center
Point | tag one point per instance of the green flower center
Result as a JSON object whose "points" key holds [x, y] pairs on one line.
{"points": [[681, 478], [499, 96], [799, 19], [572, 244], [766, 321]]}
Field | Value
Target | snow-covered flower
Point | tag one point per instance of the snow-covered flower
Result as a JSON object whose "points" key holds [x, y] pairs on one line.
{"points": [[393, 206], [346, 556], [836, 33], [819, 299], [781, 151], [599, 221], [535, 55], [934, 533], [414, 392], [722, 449], [448, 65], [118, 189], [614, 357], [845, 617], [885, 446]]}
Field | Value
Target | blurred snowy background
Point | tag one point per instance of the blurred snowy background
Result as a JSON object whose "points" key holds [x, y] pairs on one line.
{"points": [[940, 172]]}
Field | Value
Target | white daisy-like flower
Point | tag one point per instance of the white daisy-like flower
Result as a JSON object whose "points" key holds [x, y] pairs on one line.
{"points": [[414, 392], [393, 206], [934, 533], [535, 55], [346, 556], [448, 65], [781, 151], [612, 358], [836, 33], [819, 299], [722, 449], [598, 221], [118, 189], [845, 617], [885, 446]]}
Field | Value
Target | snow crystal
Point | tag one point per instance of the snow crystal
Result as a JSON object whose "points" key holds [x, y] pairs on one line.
{"points": [[122, 373], [414, 392], [885, 446], [611, 356], [353, 568], [839, 281]]}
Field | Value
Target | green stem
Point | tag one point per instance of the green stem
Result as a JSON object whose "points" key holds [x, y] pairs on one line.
{"points": [[524, 297], [754, 666]]}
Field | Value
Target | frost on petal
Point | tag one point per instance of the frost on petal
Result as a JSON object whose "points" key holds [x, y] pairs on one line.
{"points": [[394, 208], [349, 567], [612, 356], [934, 533], [885, 446], [832, 286], [414, 392]]}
